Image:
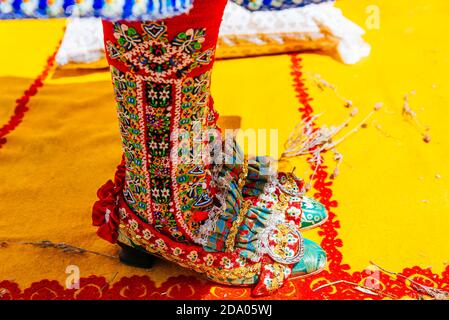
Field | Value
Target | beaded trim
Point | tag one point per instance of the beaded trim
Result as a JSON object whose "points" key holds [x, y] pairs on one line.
{"points": [[243, 174], [230, 241]]}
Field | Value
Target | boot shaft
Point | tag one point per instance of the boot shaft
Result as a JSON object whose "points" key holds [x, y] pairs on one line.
{"points": [[161, 72]]}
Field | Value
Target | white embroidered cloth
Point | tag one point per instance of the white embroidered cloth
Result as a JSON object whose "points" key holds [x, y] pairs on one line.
{"points": [[83, 39]]}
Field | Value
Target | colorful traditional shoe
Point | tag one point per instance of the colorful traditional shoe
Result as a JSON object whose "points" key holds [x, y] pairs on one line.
{"points": [[313, 261], [167, 200]]}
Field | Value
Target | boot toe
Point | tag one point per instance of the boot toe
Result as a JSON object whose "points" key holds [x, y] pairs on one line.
{"points": [[313, 213], [313, 261]]}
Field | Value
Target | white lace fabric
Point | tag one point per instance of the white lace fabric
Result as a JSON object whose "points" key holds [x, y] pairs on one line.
{"points": [[321, 27]]}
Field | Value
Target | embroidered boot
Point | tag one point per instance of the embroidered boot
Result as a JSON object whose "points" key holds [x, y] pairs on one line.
{"points": [[191, 212]]}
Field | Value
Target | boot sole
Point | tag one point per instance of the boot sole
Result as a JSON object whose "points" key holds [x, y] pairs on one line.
{"points": [[134, 258]]}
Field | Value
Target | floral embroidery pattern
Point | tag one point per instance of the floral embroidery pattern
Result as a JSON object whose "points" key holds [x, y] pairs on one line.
{"points": [[156, 103], [150, 52], [221, 267], [136, 185], [273, 277]]}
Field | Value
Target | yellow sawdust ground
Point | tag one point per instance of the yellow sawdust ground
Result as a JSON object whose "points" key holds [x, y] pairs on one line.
{"points": [[68, 144]]}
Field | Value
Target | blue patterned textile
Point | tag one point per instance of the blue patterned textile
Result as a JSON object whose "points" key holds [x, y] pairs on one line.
{"points": [[264, 5], [107, 9], [123, 9]]}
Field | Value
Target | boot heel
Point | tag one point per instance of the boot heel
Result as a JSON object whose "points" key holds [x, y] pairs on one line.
{"points": [[134, 257]]}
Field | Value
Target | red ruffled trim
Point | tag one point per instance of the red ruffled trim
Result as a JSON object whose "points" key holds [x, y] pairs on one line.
{"points": [[105, 211]]}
